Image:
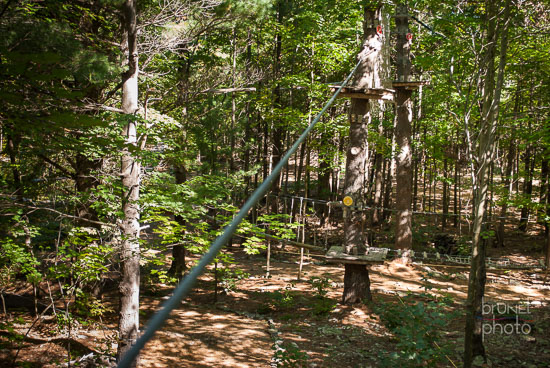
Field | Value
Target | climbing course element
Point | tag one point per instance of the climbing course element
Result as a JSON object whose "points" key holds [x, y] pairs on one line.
{"points": [[183, 288]]}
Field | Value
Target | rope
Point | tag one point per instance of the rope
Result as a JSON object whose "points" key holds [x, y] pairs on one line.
{"points": [[183, 288], [365, 208]]}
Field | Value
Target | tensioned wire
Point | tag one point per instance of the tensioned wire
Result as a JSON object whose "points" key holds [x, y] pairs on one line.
{"points": [[159, 318]]}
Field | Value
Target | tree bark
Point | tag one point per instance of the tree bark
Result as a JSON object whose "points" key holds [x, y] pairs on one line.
{"points": [[456, 188], [527, 188], [323, 189], [543, 189], [473, 341], [356, 284], [403, 220], [277, 136], [378, 182], [178, 266], [390, 173], [445, 199], [403, 229], [356, 279], [507, 189], [130, 227], [12, 148], [85, 181]]}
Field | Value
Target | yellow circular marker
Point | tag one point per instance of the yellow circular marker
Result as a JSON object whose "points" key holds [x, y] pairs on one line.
{"points": [[348, 201]]}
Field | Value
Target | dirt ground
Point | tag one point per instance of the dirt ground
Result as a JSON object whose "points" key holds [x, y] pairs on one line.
{"points": [[278, 320]]}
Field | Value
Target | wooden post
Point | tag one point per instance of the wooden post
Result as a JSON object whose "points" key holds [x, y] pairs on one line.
{"points": [[301, 264], [268, 261], [403, 230]]}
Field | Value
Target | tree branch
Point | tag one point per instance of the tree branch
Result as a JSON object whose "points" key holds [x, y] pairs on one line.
{"points": [[58, 166], [61, 214]]}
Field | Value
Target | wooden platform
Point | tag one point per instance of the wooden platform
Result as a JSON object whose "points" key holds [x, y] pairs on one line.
{"points": [[375, 256], [409, 85], [384, 94]]}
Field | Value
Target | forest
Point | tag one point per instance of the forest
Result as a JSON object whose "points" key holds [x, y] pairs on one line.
{"points": [[282, 183]]}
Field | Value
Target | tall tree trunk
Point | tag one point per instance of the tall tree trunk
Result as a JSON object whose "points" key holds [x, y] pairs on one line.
{"points": [[424, 165], [247, 127], [403, 219], [265, 147], [278, 130], [378, 181], [356, 277], [543, 191], [456, 217], [529, 162], [130, 227], [325, 161], [232, 167], [507, 189], [85, 180], [390, 173], [12, 148], [473, 342], [178, 266], [445, 199]]}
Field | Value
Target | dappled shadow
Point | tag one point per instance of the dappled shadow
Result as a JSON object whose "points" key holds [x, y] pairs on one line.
{"points": [[202, 336]]}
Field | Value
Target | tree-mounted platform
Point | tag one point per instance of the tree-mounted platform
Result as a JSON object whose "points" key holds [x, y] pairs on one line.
{"points": [[336, 255], [384, 94], [409, 85]]}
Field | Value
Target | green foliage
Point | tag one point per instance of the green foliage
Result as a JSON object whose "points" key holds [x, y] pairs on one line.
{"points": [[228, 278], [320, 285], [417, 327], [89, 306], [15, 260], [289, 355], [285, 299], [321, 304], [82, 256]]}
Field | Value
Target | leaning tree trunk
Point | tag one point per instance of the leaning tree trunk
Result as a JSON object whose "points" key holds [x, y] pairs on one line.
{"points": [[473, 340], [129, 285], [356, 277]]}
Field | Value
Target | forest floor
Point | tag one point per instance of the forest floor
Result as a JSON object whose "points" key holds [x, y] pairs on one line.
{"points": [[278, 320]]}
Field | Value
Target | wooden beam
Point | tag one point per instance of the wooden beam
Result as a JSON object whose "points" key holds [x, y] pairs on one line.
{"points": [[229, 90], [383, 94], [409, 85], [336, 254]]}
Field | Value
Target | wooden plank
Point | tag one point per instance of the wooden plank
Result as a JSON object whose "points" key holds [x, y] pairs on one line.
{"points": [[336, 254], [409, 85], [365, 96], [384, 94], [229, 90]]}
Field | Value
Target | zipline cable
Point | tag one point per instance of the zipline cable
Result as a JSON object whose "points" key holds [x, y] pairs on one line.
{"points": [[183, 288]]}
